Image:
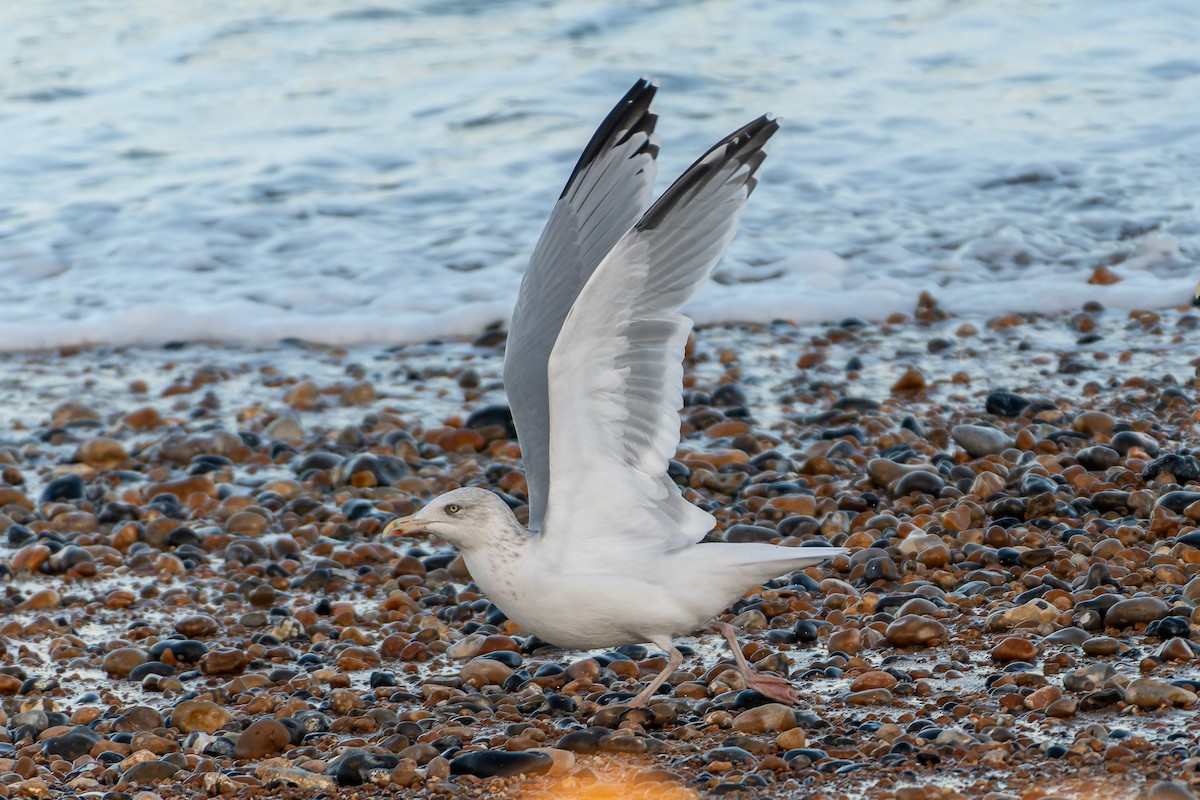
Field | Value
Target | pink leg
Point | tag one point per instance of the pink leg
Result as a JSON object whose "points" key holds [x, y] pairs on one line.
{"points": [[767, 685], [674, 659]]}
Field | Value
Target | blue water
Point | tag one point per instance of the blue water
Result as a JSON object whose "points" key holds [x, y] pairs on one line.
{"points": [[246, 171]]}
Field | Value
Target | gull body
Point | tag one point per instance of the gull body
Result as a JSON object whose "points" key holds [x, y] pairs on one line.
{"points": [[593, 369], [619, 598]]}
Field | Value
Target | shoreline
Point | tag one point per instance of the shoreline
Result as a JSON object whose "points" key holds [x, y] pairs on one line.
{"points": [[951, 650]]}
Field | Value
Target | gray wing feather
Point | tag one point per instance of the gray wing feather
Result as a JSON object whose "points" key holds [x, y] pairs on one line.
{"points": [[605, 195], [616, 372]]}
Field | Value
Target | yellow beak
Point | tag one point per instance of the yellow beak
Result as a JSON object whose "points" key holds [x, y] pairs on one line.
{"points": [[403, 525]]}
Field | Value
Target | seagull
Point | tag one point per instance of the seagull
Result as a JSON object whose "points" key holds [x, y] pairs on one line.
{"points": [[593, 370]]}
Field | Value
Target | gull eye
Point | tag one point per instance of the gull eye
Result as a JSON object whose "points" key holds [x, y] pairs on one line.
{"points": [[453, 509]]}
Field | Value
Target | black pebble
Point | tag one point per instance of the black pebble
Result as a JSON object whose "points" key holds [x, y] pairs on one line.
{"points": [[68, 487], [1184, 468], [1170, 628], [354, 767], [501, 763], [1005, 404], [71, 745]]}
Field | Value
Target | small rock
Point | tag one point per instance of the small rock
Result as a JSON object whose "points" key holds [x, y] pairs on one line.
{"points": [[69, 746], [1014, 648], [1147, 693], [1098, 457], [979, 440], [1089, 678], [501, 763], [1167, 790], [764, 718], [873, 679], [1043, 697], [262, 738], [199, 715], [913, 380], [120, 662], [1005, 404], [484, 672], [912, 630], [869, 697], [1102, 646], [356, 767], [103, 453], [148, 773], [1129, 612]]}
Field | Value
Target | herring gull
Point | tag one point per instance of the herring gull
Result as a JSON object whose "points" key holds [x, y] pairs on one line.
{"points": [[593, 370]]}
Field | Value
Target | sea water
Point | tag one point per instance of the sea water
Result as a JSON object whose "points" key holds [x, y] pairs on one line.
{"points": [[354, 172]]}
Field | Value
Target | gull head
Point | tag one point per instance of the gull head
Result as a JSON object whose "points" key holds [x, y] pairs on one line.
{"points": [[467, 518]]}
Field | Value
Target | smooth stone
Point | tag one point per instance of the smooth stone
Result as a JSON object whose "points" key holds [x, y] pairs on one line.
{"points": [[1036, 610], [356, 766], [103, 453], [199, 715], [1102, 646], [1176, 650], [979, 440], [1070, 636], [36, 718], [1089, 678], [873, 679], [1014, 648], [1184, 469], [225, 661], [1062, 709], [1177, 501], [122, 661], [501, 763], [848, 641], [1043, 697], [731, 755], [1168, 790], [148, 773], [1134, 610], [262, 738], [885, 472], [69, 746], [769, 717], [869, 697], [1093, 423], [1149, 694], [68, 487], [1124, 441], [138, 718], [1098, 457], [881, 569], [917, 605], [484, 672], [1171, 627], [918, 482], [1005, 404], [955, 738], [916, 543], [915, 631]]}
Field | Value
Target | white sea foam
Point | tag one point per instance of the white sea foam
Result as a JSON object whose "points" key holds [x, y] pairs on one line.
{"points": [[247, 172]]}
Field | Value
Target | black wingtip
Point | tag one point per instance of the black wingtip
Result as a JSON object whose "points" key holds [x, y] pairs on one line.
{"points": [[746, 145], [631, 115]]}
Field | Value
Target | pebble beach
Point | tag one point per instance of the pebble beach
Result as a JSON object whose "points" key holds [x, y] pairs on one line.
{"points": [[195, 601]]}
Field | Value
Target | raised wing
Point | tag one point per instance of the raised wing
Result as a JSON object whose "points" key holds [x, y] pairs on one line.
{"points": [[616, 372], [606, 194]]}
